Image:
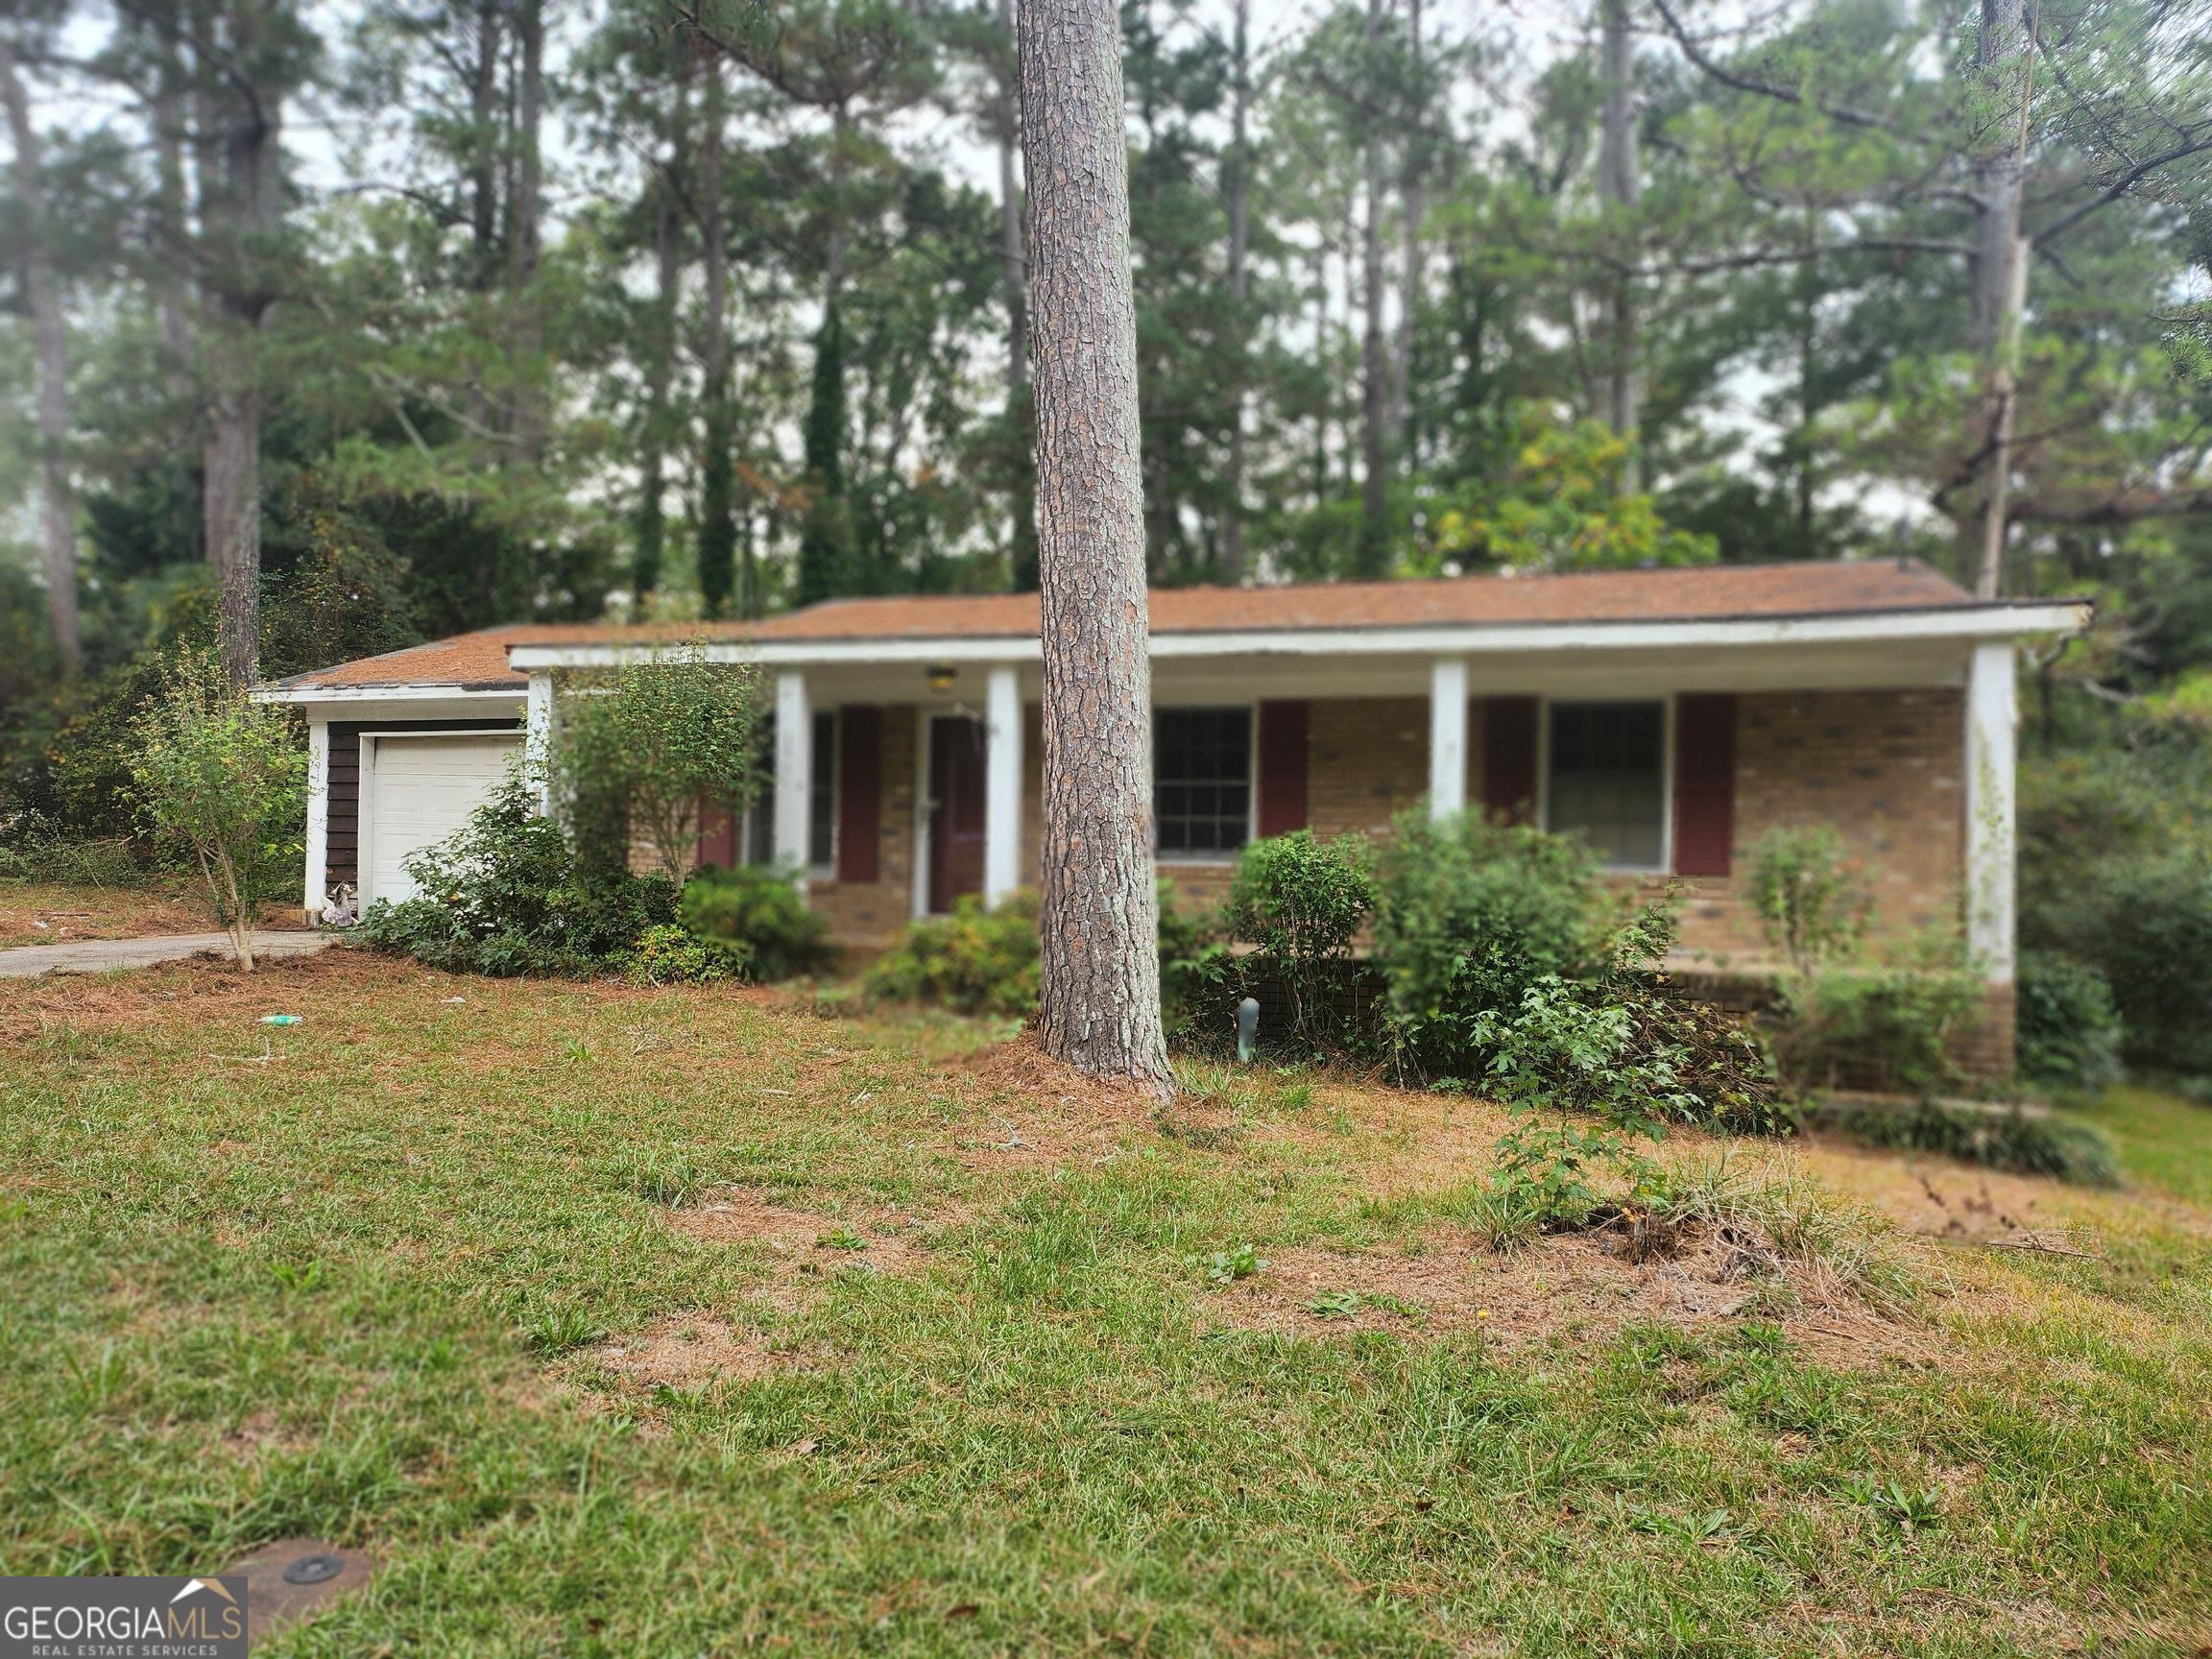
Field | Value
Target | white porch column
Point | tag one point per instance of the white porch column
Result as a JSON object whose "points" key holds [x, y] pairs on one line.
{"points": [[794, 769], [1992, 730], [537, 737], [318, 815], [1447, 736], [1003, 785]]}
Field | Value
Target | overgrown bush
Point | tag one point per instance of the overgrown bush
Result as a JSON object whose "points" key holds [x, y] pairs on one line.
{"points": [[2116, 873], [973, 961], [32, 851], [1300, 901], [1512, 967], [668, 954], [1469, 915], [506, 895], [225, 779], [646, 747], [1809, 893], [2021, 1142], [757, 917], [1877, 1027], [2069, 1032]]}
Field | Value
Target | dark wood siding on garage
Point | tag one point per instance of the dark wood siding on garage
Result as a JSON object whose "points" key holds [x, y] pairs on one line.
{"points": [[343, 862]]}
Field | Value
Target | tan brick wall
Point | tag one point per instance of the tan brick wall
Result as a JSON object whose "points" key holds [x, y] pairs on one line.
{"points": [[1885, 768]]}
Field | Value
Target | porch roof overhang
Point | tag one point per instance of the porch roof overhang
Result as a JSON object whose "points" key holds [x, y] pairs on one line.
{"points": [[1961, 624]]}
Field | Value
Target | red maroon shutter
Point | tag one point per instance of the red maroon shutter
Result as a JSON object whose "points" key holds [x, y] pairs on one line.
{"points": [[1509, 758], [1704, 782], [1282, 730], [859, 790], [718, 834]]}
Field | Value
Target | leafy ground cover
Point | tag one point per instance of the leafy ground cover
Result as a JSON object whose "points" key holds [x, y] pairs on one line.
{"points": [[618, 1321]]}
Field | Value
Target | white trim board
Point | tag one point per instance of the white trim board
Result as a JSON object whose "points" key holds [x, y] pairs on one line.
{"points": [[1962, 623]]}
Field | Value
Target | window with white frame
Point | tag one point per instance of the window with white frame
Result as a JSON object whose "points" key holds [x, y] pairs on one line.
{"points": [[1605, 778], [1202, 780]]}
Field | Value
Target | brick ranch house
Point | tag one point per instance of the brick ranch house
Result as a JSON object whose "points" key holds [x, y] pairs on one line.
{"points": [[1672, 716]]}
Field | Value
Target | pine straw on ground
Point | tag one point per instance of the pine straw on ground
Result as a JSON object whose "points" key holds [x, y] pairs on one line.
{"points": [[1571, 1287], [73, 915]]}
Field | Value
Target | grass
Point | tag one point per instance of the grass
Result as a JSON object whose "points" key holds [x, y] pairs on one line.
{"points": [[448, 1281], [2165, 1142]]}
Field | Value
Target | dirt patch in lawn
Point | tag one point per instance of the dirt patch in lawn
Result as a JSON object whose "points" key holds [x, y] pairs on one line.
{"points": [[697, 1350], [1573, 1287], [810, 1242]]}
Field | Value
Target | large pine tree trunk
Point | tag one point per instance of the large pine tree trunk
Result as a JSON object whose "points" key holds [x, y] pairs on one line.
{"points": [[1619, 182], [1410, 274], [1240, 190], [1015, 268], [717, 525], [1373, 551], [661, 361], [2002, 58], [527, 420], [57, 501], [1100, 923], [241, 215]]}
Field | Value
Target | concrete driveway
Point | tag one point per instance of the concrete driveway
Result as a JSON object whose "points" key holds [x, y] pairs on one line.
{"points": [[104, 955]]}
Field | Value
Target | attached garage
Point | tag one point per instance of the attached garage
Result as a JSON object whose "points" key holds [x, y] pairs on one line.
{"points": [[418, 789]]}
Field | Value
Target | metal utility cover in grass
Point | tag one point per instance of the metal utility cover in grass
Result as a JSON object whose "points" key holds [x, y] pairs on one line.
{"points": [[294, 1579]]}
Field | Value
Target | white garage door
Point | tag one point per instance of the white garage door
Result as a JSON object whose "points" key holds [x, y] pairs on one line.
{"points": [[421, 790]]}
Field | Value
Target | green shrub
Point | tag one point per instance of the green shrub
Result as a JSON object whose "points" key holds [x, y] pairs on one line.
{"points": [[668, 954], [1300, 901], [2146, 925], [2021, 1142], [1809, 893], [1470, 914], [224, 779], [504, 896], [647, 746], [757, 916], [1195, 961], [2069, 1032], [973, 961], [1885, 1027], [31, 851]]}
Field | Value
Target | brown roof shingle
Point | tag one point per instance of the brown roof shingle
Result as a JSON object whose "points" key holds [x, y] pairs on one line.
{"points": [[1703, 593]]}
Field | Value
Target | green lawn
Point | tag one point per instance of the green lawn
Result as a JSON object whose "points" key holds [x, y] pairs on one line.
{"points": [[2165, 1142], [484, 1285]]}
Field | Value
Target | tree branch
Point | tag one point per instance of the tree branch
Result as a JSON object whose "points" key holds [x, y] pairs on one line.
{"points": [[1697, 56]]}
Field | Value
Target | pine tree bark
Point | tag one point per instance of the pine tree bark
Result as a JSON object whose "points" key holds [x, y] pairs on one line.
{"points": [[660, 363], [241, 216], [1100, 1008], [1410, 274], [1240, 192], [1020, 416], [526, 421], [58, 502], [173, 287], [1373, 554], [2004, 60], [718, 527], [1620, 185]]}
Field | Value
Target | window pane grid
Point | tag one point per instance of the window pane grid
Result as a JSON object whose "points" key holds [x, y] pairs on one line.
{"points": [[1607, 779], [1202, 779]]}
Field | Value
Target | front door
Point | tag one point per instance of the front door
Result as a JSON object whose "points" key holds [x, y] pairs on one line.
{"points": [[955, 808]]}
